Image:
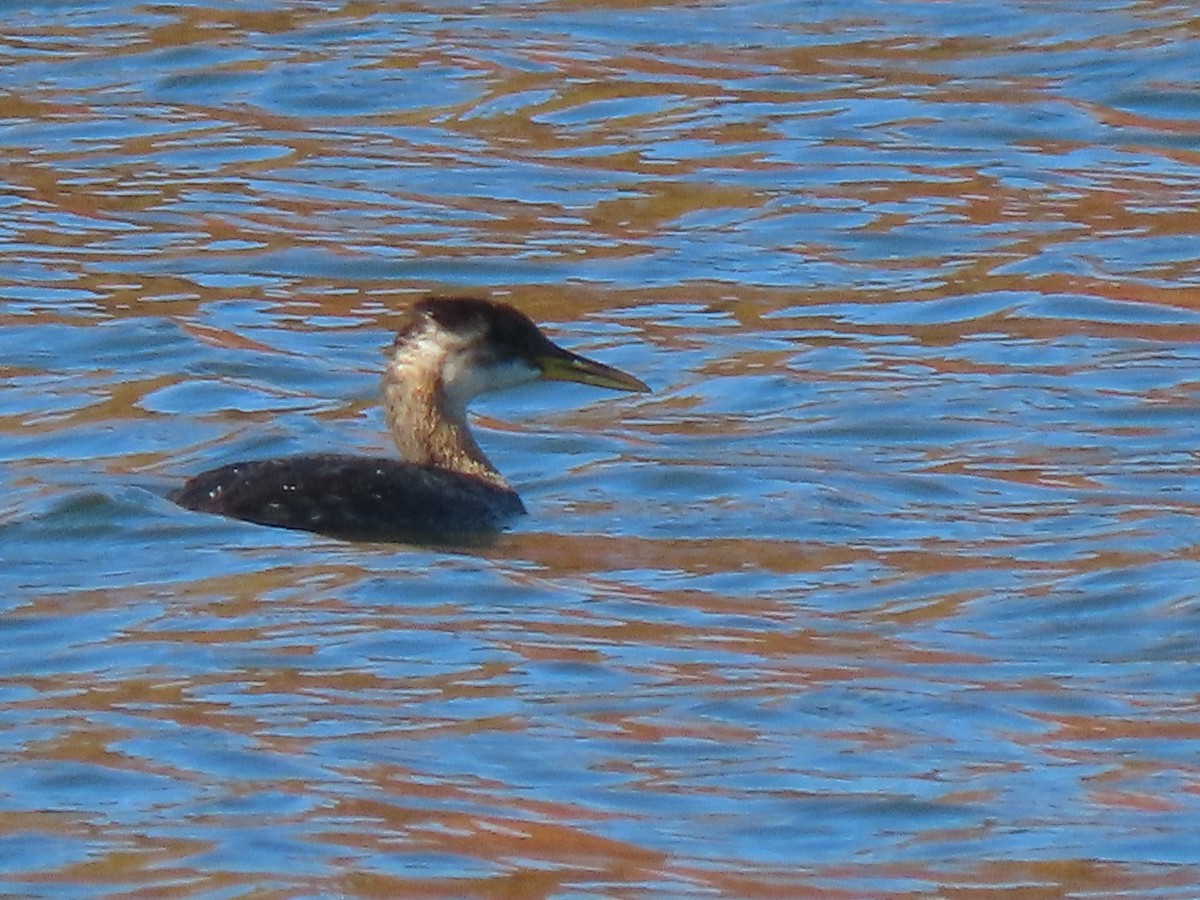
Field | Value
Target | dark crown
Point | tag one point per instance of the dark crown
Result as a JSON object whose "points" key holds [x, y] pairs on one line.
{"points": [[503, 327]]}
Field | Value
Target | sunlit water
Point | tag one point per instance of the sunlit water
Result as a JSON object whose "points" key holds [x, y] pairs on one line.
{"points": [[891, 589]]}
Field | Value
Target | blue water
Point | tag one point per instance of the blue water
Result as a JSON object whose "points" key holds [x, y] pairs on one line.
{"points": [[887, 590]]}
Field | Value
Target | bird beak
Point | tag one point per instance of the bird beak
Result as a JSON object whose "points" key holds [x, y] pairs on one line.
{"points": [[563, 365]]}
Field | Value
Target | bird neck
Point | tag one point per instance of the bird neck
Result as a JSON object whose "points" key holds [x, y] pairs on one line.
{"points": [[428, 428]]}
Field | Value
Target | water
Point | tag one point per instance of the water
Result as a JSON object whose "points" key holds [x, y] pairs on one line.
{"points": [[889, 590]]}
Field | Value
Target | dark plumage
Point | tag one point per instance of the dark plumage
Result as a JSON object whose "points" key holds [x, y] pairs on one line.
{"points": [[355, 498], [446, 352]]}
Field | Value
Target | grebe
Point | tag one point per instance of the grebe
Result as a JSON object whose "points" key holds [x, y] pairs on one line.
{"points": [[447, 352]]}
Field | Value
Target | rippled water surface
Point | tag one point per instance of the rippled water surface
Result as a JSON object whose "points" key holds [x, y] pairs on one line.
{"points": [[890, 589]]}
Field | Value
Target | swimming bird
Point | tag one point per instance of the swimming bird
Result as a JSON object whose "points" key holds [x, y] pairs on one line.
{"points": [[447, 351]]}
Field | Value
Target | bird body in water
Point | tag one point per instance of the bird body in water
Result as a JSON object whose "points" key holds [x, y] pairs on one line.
{"points": [[447, 352]]}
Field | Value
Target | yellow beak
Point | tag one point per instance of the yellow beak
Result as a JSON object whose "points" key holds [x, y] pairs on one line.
{"points": [[562, 365]]}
